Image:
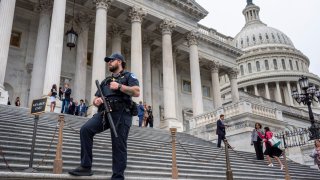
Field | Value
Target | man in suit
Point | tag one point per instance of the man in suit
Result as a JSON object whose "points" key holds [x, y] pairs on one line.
{"points": [[221, 130]]}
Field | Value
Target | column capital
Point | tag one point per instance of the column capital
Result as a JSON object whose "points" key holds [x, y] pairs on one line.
{"points": [[167, 26], [233, 72], [214, 66], [44, 6], [192, 38], [116, 30], [83, 20], [105, 4], [137, 14]]}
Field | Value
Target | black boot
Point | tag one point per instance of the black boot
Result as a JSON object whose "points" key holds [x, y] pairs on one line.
{"points": [[81, 171]]}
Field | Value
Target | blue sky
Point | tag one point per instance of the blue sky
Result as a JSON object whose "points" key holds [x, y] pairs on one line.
{"points": [[298, 19]]}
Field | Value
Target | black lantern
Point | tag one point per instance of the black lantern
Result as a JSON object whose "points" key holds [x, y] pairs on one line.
{"points": [[306, 97], [304, 82], [72, 36]]}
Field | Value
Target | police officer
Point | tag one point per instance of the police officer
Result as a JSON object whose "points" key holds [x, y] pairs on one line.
{"points": [[118, 89]]}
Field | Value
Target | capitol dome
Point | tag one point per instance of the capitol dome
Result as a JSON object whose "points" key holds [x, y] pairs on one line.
{"points": [[256, 34]]}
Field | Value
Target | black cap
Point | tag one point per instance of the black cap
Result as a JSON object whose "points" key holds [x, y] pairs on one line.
{"points": [[115, 56]]}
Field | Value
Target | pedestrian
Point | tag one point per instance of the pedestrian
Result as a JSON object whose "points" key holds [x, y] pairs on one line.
{"points": [[140, 113], [72, 107], [82, 108], [66, 98], [150, 117], [256, 141], [221, 130], [9, 103], [60, 93], [119, 89], [17, 102], [53, 94], [316, 153], [271, 151], [145, 115]]}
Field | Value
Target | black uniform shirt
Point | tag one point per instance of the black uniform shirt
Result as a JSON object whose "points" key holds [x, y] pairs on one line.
{"points": [[126, 78]]}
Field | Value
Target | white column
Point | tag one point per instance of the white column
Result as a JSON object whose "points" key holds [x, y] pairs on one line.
{"points": [[40, 55], [136, 15], [170, 116], [256, 92], [289, 93], [267, 90], [234, 85], [83, 21], [196, 87], [116, 35], [54, 56], [278, 93], [217, 102], [146, 52], [100, 44], [6, 20], [245, 89]]}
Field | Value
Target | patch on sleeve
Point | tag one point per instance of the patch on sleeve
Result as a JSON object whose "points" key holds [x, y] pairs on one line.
{"points": [[133, 76]]}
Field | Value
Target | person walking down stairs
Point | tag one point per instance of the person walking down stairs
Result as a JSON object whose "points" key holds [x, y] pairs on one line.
{"points": [[256, 141], [316, 153], [271, 151]]}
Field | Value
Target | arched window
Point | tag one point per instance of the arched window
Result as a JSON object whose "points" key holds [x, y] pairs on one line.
{"points": [[241, 70], [290, 63], [275, 64], [266, 64], [258, 66], [297, 65], [283, 64], [249, 68]]}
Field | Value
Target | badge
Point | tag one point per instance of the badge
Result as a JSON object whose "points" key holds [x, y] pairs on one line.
{"points": [[133, 76]]}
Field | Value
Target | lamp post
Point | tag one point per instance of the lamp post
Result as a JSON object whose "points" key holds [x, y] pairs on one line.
{"points": [[308, 94]]}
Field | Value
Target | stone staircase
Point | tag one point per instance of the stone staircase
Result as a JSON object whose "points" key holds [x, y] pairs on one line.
{"points": [[149, 153]]}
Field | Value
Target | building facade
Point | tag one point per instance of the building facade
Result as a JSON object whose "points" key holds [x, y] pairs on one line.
{"points": [[188, 73]]}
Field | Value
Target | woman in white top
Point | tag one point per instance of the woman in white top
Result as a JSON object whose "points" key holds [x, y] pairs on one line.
{"points": [[53, 96]]}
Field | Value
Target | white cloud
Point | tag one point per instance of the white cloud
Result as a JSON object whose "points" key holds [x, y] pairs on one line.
{"points": [[299, 20]]}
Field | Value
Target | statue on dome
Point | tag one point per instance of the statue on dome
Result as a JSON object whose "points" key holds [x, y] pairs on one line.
{"points": [[249, 2]]}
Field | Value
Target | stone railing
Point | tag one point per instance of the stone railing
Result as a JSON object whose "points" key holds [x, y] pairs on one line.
{"points": [[235, 109], [214, 34], [272, 104]]}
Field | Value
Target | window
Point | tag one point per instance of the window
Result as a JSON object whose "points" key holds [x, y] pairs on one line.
{"points": [[206, 91], [297, 65], [15, 39], [89, 58], [266, 64], [258, 66], [186, 86], [283, 64], [275, 64], [290, 63], [249, 68], [241, 70], [267, 37], [260, 37]]}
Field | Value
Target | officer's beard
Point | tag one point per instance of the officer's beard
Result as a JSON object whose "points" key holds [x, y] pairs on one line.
{"points": [[113, 68]]}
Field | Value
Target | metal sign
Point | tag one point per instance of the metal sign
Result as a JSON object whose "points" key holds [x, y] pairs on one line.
{"points": [[38, 106]]}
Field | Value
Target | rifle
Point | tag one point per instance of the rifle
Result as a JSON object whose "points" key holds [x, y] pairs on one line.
{"points": [[107, 109]]}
